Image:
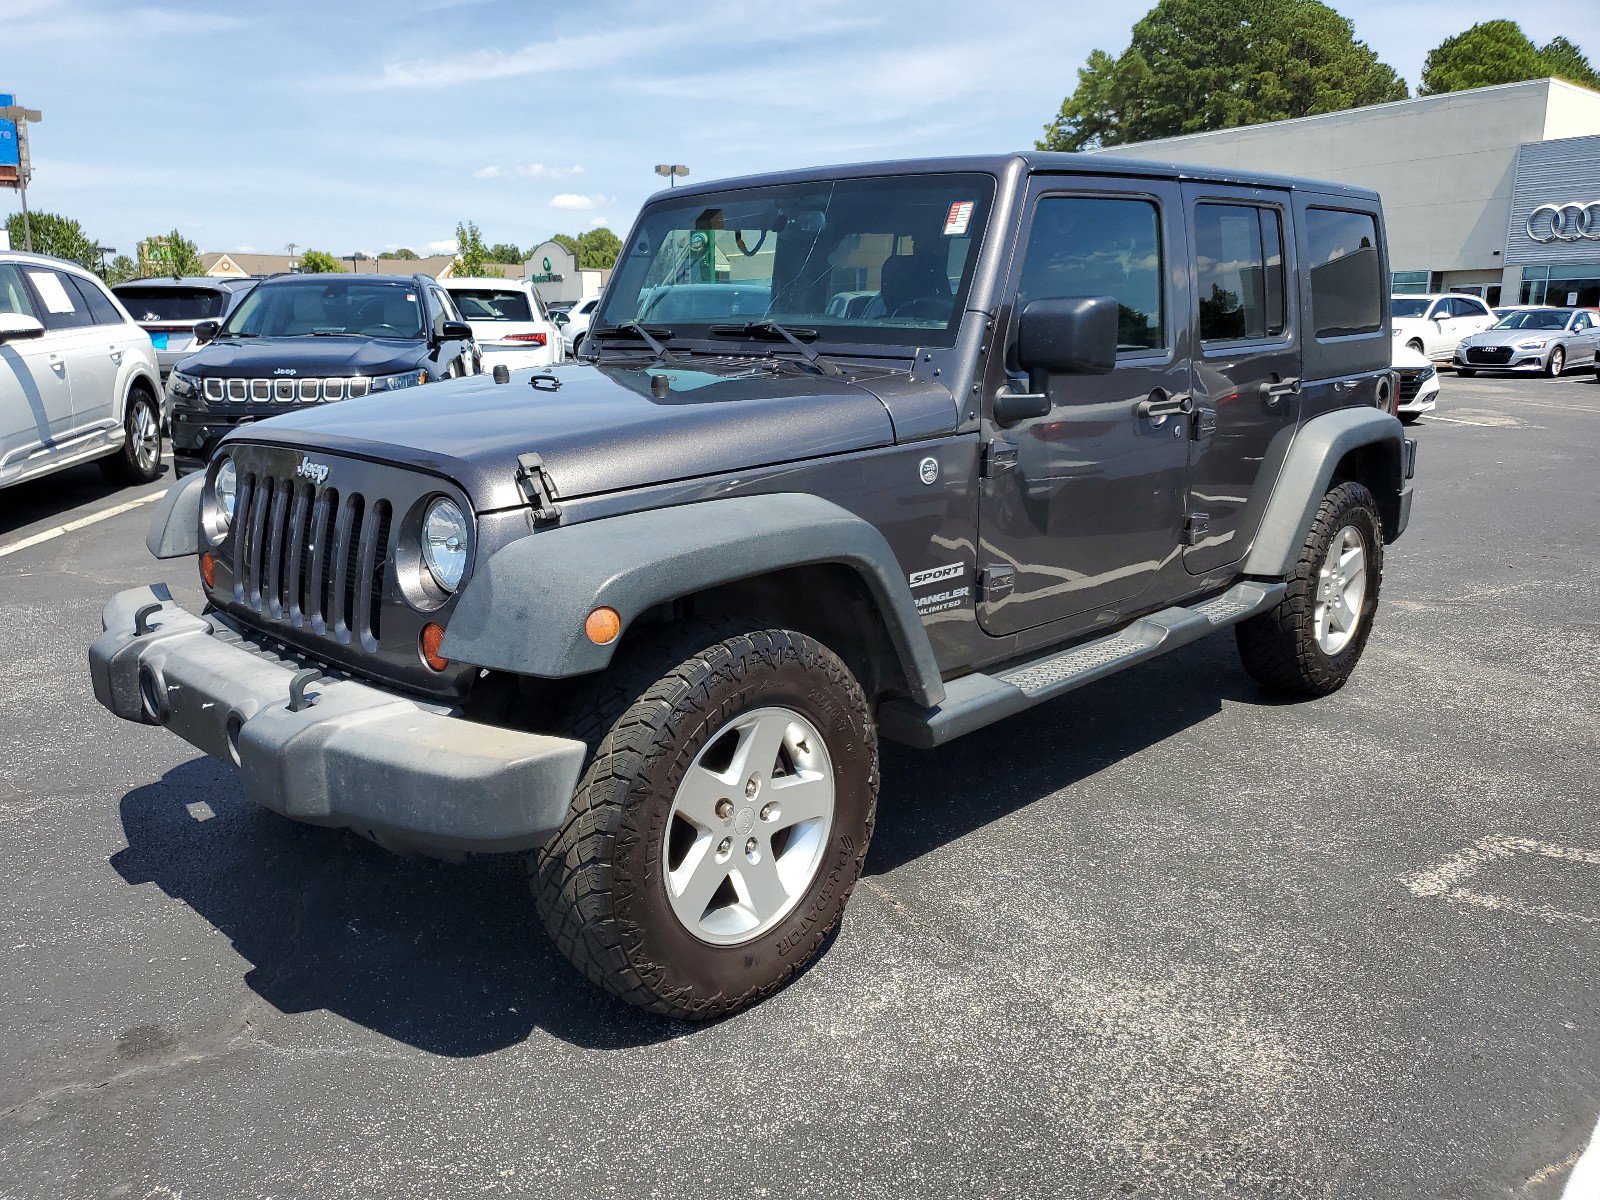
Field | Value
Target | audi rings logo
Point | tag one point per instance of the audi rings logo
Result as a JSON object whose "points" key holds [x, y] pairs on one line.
{"points": [[1570, 222]]}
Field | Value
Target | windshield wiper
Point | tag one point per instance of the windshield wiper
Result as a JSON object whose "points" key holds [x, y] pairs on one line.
{"points": [[650, 335], [333, 333], [797, 338]]}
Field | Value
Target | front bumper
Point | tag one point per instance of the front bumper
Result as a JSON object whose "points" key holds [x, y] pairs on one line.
{"points": [[409, 774], [1531, 361], [196, 432], [517, 360]]}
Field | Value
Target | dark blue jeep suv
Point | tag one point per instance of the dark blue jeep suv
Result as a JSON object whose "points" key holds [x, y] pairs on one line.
{"points": [[301, 340]]}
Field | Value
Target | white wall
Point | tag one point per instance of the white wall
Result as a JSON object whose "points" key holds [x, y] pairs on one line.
{"points": [[1444, 165]]}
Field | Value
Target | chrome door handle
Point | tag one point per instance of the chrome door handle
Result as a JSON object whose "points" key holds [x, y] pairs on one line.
{"points": [[116, 354], [1167, 406], [1271, 393], [55, 360]]}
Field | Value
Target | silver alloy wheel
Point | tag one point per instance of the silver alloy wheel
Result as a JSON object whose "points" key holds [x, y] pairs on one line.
{"points": [[145, 436], [1558, 361], [1341, 591], [748, 826]]}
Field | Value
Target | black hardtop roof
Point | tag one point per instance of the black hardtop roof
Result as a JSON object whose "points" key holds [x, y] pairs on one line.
{"points": [[1038, 162]]}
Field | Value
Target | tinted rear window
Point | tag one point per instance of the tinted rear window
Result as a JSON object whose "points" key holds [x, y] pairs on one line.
{"points": [[492, 304], [1346, 276], [172, 303]]}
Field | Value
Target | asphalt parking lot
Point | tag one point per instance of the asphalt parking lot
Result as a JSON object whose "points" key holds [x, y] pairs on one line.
{"points": [[1159, 938]]}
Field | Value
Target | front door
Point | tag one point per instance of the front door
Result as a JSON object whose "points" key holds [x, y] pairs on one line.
{"points": [[1247, 371], [35, 393], [1083, 506]]}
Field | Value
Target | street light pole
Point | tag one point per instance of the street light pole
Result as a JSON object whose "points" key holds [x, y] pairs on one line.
{"points": [[21, 116], [672, 172]]}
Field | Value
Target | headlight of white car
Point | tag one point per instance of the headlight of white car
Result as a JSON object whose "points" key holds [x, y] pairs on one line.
{"points": [[445, 540], [405, 379]]}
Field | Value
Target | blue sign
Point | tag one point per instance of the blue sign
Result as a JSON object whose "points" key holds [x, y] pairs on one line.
{"points": [[8, 140]]}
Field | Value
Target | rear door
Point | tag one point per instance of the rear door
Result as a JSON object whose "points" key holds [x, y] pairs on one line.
{"points": [[1082, 507], [1247, 371]]}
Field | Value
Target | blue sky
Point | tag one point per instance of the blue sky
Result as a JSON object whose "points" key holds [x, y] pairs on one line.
{"points": [[367, 124]]}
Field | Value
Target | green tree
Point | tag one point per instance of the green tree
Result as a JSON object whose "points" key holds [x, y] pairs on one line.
{"points": [[598, 248], [54, 234], [316, 262], [506, 252], [567, 242], [1490, 52], [172, 254], [472, 256], [121, 269], [1196, 65], [404, 252], [1565, 61]]}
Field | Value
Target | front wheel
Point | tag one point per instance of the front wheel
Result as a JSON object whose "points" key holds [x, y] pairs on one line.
{"points": [[139, 458], [719, 828], [1557, 363], [1311, 641]]}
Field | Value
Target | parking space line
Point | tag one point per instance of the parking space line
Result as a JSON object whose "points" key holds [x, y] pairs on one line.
{"points": [[1584, 1182], [81, 523], [1444, 880], [1459, 421]]}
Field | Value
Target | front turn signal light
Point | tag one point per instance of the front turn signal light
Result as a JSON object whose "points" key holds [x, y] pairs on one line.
{"points": [[602, 626], [432, 636], [208, 569]]}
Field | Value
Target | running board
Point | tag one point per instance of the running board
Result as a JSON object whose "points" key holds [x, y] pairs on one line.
{"points": [[974, 701]]}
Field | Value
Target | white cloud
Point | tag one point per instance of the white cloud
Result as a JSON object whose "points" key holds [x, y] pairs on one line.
{"points": [[442, 246], [244, 250], [586, 52], [596, 222], [578, 202], [528, 171]]}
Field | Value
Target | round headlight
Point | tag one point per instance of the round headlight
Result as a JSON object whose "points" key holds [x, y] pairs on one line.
{"points": [[226, 489], [444, 542]]}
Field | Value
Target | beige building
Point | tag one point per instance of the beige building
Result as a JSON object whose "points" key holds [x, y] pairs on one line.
{"points": [[1461, 176], [440, 266]]}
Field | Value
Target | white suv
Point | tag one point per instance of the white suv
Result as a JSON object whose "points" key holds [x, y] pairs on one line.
{"points": [[575, 322], [78, 378], [1434, 324], [508, 322]]}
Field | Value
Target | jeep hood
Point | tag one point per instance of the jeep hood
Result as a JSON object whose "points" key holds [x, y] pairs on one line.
{"points": [[309, 357], [606, 429]]}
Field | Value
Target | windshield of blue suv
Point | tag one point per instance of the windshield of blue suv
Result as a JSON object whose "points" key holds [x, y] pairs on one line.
{"points": [[1534, 320], [884, 261], [310, 306]]}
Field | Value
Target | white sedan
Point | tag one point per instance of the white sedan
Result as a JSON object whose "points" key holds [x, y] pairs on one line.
{"points": [[508, 322], [1419, 382], [1435, 324], [78, 379]]}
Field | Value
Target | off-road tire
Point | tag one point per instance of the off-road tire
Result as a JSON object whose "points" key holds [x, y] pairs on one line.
{"points": [[598, 883], [126, 466], [1279, 647]]}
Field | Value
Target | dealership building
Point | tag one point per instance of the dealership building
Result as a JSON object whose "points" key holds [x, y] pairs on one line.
{"points": [[1494, 191]]}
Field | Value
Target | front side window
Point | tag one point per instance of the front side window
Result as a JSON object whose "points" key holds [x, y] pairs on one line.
{"points": [[800, 254], [1345, 270], [1090, 246], [14, 296], [1468, 308], [155, 304], [1239, 259], [307, 307], [1402, 306], [493, 304]]}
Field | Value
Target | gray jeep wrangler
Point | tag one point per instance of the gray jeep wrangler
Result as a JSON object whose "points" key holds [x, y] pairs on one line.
{"points": [[887, 450]]}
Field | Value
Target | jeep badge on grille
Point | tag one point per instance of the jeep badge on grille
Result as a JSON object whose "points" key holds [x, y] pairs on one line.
{"points": [[314, 471]]}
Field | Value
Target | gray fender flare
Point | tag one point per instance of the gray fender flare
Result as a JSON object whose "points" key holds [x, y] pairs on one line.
{"points": [[1307, 472], [523, 610], [175, 527]]}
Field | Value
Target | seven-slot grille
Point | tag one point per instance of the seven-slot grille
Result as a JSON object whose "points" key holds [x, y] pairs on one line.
{"points": [[309, 558], [1489, 355], [285, 391]]}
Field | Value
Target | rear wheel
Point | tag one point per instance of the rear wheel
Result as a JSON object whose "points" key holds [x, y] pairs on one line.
{"points": [[1556, 364], [1309, 644], [720, 826], [139, 459]]}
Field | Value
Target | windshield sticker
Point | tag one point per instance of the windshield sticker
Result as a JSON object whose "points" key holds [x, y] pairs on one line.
{"points": [[960, 215], [412, 297]]}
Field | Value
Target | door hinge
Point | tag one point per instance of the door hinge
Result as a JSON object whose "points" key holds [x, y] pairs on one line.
{"points": [[538, 487], [998, 458], [1196, 528], [995, 582], [1205, 422]]}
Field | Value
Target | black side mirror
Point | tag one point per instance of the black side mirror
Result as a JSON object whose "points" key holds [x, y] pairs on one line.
{"points": [[204, 331], [1069, 335], [454, 331]]}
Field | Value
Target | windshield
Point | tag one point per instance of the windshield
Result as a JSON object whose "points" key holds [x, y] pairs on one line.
{"points": [[1405, 306], [884, 261], [299, 307], [149, 304], [492, 304], [1533, 320]]}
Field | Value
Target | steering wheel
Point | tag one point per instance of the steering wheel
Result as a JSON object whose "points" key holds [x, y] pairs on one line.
{"points": [[934, 308], [738, 240], [373, 330]]}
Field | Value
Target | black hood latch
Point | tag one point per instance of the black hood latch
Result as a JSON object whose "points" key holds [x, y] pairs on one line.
{"points": [[538, 487]]}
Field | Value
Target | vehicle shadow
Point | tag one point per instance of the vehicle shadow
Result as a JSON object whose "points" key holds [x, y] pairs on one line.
{"points": [[452, 959], [61, 492]]}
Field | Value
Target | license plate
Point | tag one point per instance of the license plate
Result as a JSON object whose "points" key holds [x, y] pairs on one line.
{"points": [[158, 340]]}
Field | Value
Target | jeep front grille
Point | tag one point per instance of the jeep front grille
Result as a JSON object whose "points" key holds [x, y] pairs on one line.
{"points": [[313, 560], [285, 391]]}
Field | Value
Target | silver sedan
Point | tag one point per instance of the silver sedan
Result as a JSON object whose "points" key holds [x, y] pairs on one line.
{"points": [[1534, 340]]}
